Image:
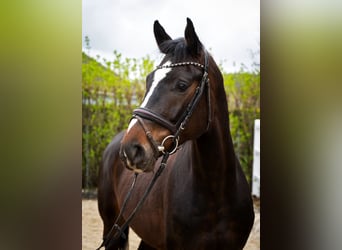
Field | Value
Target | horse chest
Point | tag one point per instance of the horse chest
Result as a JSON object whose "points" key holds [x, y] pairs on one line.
{"points": [[199, 221], [204, 230], [202, 214]]}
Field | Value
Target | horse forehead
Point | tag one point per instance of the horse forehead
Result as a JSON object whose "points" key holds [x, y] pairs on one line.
{"points": [[159, 75]]}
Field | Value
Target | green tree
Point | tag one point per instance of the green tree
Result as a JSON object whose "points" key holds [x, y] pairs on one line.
{"points": [[243, 94]]}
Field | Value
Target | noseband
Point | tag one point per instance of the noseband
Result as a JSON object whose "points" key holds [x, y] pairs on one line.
{"points": [[180, 125]]}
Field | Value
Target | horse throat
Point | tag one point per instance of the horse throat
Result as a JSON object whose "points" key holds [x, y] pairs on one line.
{"points": [[214, 152]]}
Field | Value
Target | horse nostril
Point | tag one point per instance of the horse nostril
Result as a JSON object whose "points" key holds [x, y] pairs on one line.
{"points": [[135, 153], [138, 150]]}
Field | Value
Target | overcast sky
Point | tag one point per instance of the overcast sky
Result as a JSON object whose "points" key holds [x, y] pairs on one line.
{"points": [[230, 29]]}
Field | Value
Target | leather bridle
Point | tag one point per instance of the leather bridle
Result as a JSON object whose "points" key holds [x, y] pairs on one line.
{"points": [[176, 128]]}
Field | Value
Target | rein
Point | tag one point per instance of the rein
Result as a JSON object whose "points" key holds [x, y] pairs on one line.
{"points": [[143, 113], [111, 236]]}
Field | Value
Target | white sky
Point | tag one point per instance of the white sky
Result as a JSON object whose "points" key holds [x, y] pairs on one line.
{"points": [[229, 29]]}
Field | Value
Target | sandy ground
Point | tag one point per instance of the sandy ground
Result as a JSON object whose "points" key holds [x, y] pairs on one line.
{"points": [[92, 228]]}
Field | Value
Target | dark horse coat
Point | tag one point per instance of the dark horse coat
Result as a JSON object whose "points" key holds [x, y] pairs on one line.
{"points": [[202, 199]]}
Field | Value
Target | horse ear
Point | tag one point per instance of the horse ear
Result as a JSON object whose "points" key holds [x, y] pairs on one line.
{"points": [[160, 34], [191, 38]]}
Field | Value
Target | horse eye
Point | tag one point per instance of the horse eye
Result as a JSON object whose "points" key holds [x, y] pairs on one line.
{"points": [[182, 86]]}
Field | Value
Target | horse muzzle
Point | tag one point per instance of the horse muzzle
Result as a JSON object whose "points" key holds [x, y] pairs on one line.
{"points": [[137, 157]]}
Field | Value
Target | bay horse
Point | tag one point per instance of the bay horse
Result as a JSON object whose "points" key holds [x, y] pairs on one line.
{"points": [[201, 199]]}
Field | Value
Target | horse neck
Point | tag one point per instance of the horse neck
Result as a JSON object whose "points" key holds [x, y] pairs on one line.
{"points": [[213, 151]]}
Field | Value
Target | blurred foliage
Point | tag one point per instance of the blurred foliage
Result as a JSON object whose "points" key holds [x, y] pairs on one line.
{"points": [[112, 89], [243, 94], [110, 92]]}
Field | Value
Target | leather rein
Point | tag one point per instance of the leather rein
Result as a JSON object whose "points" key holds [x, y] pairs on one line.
{"points": [[143, 113]]}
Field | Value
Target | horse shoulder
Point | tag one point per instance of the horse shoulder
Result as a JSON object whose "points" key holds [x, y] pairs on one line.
{"points": [[106, 197]]}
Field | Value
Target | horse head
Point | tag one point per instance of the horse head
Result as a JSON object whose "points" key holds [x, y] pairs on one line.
{"points": [[176, 105]]}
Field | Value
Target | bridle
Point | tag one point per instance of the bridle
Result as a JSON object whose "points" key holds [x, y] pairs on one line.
{"points": [[143, 113], [176, 128]]}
